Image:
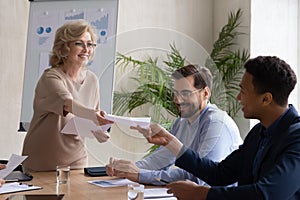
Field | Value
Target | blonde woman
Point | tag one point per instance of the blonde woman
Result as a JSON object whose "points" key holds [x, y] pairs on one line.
{"points": [[66, 89]]}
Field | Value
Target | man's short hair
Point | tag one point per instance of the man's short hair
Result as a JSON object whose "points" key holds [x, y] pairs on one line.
{"points": [[271, 74], [202, 75]]}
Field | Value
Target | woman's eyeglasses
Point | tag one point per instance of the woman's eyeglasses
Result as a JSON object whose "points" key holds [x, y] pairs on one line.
{"points": [[88, 45]]}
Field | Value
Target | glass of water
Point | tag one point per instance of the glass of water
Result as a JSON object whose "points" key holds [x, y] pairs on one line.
{"points": [[62, 174], [135, 191]]}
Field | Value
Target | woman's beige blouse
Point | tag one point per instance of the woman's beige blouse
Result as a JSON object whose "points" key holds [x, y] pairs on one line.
{"points": [[44, 144]]}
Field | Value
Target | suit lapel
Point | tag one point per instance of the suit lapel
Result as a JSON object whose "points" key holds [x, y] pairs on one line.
{"points": [[281, 132]]}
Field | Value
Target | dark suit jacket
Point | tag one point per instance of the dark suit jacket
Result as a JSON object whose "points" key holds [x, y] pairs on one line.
{"points": [[278, 177]]}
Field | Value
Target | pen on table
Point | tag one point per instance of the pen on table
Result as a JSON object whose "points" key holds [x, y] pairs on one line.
{"points": [[29, 185], [162, 180]]}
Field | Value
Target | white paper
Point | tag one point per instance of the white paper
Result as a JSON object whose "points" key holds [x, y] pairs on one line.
{"points": [[83, 127], [157, 193], [12, 163], [112, 182], [17, 187], [143, 122]]}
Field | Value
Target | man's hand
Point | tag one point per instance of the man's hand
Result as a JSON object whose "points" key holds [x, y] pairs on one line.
{"points": [[2, 166], [1, 182], [110, 168], [123, 169], [155, 134], [187, 190]]}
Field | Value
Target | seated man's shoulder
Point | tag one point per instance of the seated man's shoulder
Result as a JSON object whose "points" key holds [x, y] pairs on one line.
{"points": [[216, 113]]}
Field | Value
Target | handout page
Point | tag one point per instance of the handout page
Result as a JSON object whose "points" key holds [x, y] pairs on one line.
{"points": [[82, 127], [157, 193], [17, 187], [111, 183], [143, 122], [12, 163]]}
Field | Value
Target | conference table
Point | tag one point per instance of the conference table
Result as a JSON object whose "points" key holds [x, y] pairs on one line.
{"points": [[77, 188]]}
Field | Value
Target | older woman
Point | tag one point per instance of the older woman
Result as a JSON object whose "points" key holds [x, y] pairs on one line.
{"points": [[66, 89]]}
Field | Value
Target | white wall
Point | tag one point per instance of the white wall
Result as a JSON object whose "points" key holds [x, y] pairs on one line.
{"points": [[13, 33], [275, 31]]}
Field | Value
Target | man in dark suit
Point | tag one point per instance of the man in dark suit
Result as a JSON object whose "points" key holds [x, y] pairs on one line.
{"points": [[267, 165]]}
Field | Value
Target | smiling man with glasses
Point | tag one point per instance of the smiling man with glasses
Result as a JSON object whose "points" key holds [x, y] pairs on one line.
{"points": [[201, 126]]}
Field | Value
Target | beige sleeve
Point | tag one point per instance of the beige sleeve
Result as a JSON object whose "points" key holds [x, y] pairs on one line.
{"points": [[50, 94], [81, 111]]}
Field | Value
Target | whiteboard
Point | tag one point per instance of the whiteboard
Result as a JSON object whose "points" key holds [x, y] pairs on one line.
{"points": [[44, 18]]}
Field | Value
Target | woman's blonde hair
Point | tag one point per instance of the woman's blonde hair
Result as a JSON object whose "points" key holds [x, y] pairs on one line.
{"points": [[69, 32]]}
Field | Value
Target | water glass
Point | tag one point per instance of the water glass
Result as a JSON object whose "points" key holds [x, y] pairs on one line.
{"points": [[62, 174], [135, 192]]}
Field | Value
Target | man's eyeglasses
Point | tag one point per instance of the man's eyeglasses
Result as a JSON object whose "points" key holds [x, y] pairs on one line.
{"points": [[88, 45], [185, 94]]}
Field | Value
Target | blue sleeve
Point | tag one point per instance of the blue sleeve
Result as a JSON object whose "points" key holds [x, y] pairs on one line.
{"points": [[161, 158], [169, 175]]}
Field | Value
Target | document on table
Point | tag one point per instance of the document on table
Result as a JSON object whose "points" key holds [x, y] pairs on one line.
{"points": [[143, 122], [111, 183], [12, 163], [158, 193], [17, 187], [83, 127]]}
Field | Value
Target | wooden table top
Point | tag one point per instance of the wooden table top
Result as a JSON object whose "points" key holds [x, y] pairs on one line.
{"points": [[77, 188]]}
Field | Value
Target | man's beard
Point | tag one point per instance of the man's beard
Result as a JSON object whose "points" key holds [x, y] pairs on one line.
{"points": [[191, 112]]}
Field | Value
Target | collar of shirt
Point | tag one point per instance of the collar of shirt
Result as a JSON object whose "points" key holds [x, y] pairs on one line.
{"points": [[271, 129]]}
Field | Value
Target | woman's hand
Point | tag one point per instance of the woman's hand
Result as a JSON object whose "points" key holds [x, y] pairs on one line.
{"points": [[101, 118], [101, 136]]}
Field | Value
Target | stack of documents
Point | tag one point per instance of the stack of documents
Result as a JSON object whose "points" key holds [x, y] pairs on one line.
{"points": [[111, 183], [17, 187], [143, 122], [158, 193], [83, 127], [12, 163]]}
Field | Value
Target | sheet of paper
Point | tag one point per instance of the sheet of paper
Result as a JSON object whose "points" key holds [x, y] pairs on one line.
{"points": [[82, 127], [111, 183], [17, 187], [157, 193], [144, 122], [12, 163]]}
